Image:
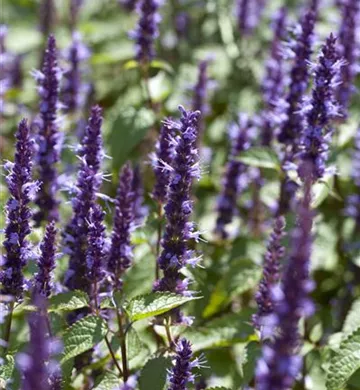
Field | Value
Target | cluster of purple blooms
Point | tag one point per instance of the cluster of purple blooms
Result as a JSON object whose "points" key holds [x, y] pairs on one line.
{"points": [[304, 127]]}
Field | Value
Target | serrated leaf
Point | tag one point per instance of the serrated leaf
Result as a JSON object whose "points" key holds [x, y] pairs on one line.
{"points": [[240, 277], [7, 368], [154, 304], [107, 381], [221, 332], [68, 301], [128, 127], [352, 320], [345, 362], [260, 157], [153, 375], [82, 336]]}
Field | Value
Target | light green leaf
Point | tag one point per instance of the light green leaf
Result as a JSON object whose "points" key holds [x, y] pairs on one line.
{"points": [[82, 336], [352, 321], [344, 362], [131, 64], [6, 370], [240, 277], [153, 375], [127, 130], [154, 304], [260, 157], [160, 87], [107, 381], [321, 190], [159, 64], [68, 301]]}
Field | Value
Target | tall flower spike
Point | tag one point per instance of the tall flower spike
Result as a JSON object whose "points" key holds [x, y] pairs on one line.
{"points": [[18, 215], [273, 85], [162, 161], [120, 254], [96, 252], [321, 110], [46, 261], [281, 361], [271, 276], [74, 90], [88, 184], [49, 140], [147, 29], [181, 373], [235, 178], [179, 230], [349, 49], [249, 14], [299, 77], [200, 91]]}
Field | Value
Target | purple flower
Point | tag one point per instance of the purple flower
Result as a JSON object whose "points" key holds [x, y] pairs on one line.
{"points": [[74, 91], [321, 110], [147, 29], [271, 274], [121, 253], [273, 85], [88, 183], [140, 210], [299, 77], [248, 14], [235, 178], [18, 214], [162, 161], [130, 384], [179, 230], [181, 373], [49, 141], [200, 90], [281, 362], [96, 251], [349, 50], [46, 262]]}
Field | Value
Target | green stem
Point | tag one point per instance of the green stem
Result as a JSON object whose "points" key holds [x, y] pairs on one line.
{"points": [[168, 333], [113, 355], [123, 347], [159, 234], [7, 329]]}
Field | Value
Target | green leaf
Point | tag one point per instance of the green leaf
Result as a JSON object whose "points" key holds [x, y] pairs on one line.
{"points": [[154, 304], [221, 332], [246, 357], [68, 301], [131, 64], [127, 130], [321, 190], [6, 370], [260, 157], [82, 336], [153, 375], [107, 381], [344, 362], [160, 87], [240, 277], [352, 320], [159, 64]]}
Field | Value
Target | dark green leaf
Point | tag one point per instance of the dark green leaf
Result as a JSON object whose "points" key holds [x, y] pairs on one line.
{"points": [[153, 375]]}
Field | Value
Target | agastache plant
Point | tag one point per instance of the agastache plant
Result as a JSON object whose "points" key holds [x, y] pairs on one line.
{"points": [[49, 138], [248, 14], [88, 184], [18, 214], [46, 262], [75, 7], [121, 251], [235, 178], [140, 210], [321, 110], [181, 374], [349, 49], [270, 277], [47, 16], [281, 361], [147, 29], [179, 230]]}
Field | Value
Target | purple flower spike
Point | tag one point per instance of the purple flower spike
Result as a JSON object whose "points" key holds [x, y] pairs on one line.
{"points": [[248, 15], [18, 214], [162, 161], [46, 262], [235, 178], [88, 184], [281, 361], [181, 374], [200, 90], [49, 140], [147, 29], [121, 254], [349, 50], [321, 110], [271, 275], [96, 252], [179, 230], [299, 77], [74, 91]]}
